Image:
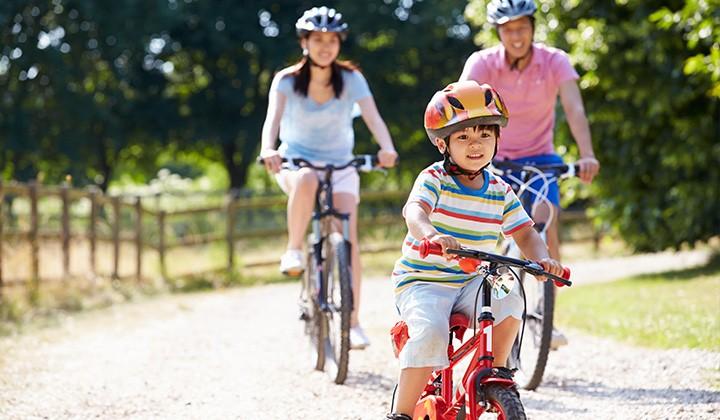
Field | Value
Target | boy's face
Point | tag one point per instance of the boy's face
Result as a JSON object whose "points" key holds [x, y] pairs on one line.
{"points": [[472, 148]]}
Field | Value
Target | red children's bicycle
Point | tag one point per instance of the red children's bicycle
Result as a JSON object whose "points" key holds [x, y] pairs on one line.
{"points": [[484, 388]]}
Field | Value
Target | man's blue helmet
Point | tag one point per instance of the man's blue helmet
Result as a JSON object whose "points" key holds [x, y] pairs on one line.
{"points": [[503, 11]]}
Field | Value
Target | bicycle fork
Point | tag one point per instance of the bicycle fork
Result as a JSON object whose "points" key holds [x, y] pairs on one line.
{"points": [[318, 243]]}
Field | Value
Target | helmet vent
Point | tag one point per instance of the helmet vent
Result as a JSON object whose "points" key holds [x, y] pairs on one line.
{"points": [[488, 97], [456, 103]]}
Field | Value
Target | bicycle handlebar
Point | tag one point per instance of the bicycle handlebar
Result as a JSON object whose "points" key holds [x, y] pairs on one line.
{"points": [[363, 163], [557, 169], [470, 259]]}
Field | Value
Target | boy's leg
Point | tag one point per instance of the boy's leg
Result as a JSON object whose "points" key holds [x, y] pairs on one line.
{"points": [[504, 334], [425, 308], [507, 313], [410, 385]]}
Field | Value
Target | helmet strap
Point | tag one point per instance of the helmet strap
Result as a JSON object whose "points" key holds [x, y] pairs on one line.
{"points": [[452, 168]]}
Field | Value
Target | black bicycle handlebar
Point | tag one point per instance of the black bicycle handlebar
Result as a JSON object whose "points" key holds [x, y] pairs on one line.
{"points": [[427, 247], [557, 169], [361, 162]]}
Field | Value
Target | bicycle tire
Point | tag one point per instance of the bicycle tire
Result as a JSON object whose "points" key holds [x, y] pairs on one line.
{"points": [[535, 348], [503, 401], [313, 320], [340, 301]]}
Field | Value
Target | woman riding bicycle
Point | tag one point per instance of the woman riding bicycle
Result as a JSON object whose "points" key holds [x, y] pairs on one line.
{"points": [[311, 108], [529, 76]]}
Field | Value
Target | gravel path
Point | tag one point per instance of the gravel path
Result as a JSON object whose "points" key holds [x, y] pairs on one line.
{"points": [[240, 354]]}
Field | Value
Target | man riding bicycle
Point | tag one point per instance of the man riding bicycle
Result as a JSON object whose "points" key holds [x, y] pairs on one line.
{"points": [[530, 76]]}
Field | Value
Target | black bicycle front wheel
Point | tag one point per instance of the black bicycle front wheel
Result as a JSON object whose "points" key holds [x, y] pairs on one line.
{"points": [[531, 357], [340, 303], [314, 322], [503, 403]]}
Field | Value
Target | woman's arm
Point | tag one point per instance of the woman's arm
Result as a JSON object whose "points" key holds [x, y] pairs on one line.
{"points": [[575, 111], [271, 127], [379, 130]]}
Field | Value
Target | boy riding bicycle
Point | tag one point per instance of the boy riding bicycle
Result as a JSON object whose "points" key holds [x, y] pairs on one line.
{"points": [[457, 202]]}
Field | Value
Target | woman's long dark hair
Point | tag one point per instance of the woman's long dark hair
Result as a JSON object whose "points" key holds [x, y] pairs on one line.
{"points": [[302, 75]]}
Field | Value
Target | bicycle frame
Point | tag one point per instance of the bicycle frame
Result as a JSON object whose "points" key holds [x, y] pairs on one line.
{"points": [[478, 373], [322, 217], [437, 401]]}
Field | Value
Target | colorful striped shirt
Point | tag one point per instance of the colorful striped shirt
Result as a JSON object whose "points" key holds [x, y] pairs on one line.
{"points": [[475, 217]]}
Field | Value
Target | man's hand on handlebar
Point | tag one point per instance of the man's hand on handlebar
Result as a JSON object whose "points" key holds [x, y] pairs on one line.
{"points": [[272, 160], [589, 167]]}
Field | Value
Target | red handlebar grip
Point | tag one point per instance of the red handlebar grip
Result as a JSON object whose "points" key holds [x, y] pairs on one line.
{"points": [[427, 247], [565, 274]]}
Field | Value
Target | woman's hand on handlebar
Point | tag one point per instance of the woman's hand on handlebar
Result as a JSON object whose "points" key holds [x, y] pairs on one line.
{"points": [[272, 160], [387, 157], [446, 242]]}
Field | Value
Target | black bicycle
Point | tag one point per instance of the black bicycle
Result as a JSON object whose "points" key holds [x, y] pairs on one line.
{"points": [[530, 357], [326, 296]]}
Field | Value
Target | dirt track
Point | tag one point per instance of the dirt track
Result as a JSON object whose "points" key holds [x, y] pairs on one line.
{"points": [[241, 354]]}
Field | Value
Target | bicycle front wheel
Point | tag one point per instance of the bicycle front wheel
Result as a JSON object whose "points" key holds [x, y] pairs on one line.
{"points": [[313, 320], [339, 308], [531, 357]]}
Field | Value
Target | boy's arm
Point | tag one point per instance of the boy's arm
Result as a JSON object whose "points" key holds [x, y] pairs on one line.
{"points": [[531, 244], [417, 218], [534, 249]]}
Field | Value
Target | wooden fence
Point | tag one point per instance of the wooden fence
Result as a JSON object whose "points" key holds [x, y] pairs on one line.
{"points": [[143, 223]]}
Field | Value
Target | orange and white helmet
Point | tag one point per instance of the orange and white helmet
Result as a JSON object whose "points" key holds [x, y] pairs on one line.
{"points": [[463, 104]]}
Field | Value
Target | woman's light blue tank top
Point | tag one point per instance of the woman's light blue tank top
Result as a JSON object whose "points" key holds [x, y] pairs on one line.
{"points": [[319, 132]]}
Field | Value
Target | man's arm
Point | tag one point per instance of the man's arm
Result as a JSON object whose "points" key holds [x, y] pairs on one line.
{"points": [[575, 111]]}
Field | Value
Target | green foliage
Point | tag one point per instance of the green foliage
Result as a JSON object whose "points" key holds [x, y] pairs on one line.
{"points": [[649, 75], [117, 91]]}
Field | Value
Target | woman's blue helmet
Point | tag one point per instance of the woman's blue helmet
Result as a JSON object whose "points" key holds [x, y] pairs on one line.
{"points": [[503, 11], [321, 19]]}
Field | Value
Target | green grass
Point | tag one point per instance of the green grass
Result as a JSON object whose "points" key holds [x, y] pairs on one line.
{"points": [[678, 309]]}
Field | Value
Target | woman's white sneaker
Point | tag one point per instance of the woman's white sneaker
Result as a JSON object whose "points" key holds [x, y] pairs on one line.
{"points": [[358, 339], [291, 263]]}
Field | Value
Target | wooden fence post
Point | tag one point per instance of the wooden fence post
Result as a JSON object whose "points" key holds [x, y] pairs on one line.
{"points": [[92, 231], [230, 234], [34, 248], [138, 238], [65, 231], [116, 237], [161, 243]]}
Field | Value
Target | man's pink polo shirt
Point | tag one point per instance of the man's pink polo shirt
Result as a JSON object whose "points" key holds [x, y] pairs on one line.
{"points": [[530, 96]]}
